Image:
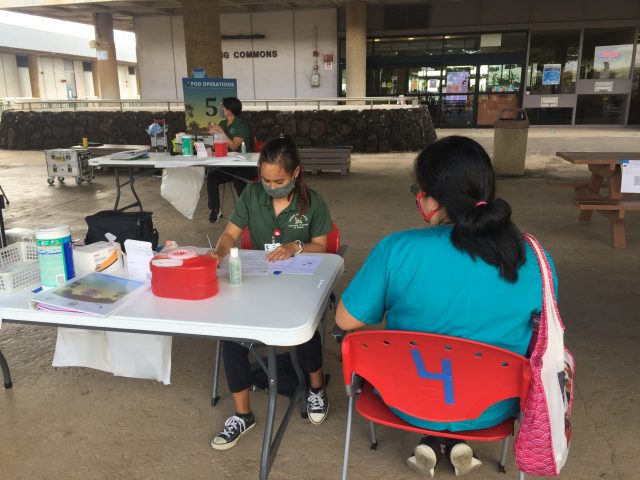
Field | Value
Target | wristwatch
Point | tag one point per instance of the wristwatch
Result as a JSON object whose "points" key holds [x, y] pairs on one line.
{"points": [[300, 246]]}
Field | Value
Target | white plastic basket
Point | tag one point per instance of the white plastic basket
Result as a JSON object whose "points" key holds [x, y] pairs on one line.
{"points": [[18, 266]]}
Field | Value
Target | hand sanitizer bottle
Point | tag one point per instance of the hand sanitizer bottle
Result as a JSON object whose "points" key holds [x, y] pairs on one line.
{"points": [[243, 148], [235, 268]]}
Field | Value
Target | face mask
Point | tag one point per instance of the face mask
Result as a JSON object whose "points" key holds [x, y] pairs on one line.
{"points": [[221, 112], [426, 217], [280, 192]]}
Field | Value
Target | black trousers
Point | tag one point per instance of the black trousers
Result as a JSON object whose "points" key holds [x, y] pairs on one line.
{"points": [[238, 369], [216, 177]]}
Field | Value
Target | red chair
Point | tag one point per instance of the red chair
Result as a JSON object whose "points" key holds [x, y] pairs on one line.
{"points": [[257, 145], [333, 241], [434, 377]]}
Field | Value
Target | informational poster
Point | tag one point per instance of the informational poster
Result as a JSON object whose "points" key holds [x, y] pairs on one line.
{"points": [[551, 74], [457, 82], [202, 99]]}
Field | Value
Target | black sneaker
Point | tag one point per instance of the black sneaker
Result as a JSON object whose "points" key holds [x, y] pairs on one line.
{"points": [[425, 456], [461, 457], [214, 216], [317, 406], [234, 428]]}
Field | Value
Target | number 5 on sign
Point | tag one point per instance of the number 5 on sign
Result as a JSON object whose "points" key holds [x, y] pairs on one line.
{"points": [[630, 176]]}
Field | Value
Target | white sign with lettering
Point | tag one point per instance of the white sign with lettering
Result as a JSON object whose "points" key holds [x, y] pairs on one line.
{"points": [[548, 102], [600, 87]]}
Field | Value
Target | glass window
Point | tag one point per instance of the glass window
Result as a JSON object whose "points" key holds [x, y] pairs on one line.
{"points": [[490, 106], [22, 61], [388, 81], [503, 42], [553, 62], [634, 106], [405, 46], [550, 116], [600, 109], [424, 80], [607, 53], [500, 78], [461, 44]]}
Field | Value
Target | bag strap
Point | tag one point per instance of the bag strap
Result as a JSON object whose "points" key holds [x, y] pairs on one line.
{"points": [[548, 290]]}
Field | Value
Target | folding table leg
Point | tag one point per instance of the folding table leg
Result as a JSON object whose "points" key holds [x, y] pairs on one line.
{"points": [[269, 446], [216, 374], [5, 372], [265, 460]]}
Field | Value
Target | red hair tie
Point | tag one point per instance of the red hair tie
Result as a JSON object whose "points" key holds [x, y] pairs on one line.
{"points": [[480, 203]]}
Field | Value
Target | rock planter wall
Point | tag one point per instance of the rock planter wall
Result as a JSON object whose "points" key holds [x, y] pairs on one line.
{"points": [[377, 130]]}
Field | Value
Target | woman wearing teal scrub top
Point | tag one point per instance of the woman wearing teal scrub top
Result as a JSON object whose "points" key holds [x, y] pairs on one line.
{"points": [[471, 276]]}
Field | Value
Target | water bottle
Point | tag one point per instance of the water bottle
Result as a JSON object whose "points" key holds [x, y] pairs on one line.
{"points": [[235, 268], [243, 148]]}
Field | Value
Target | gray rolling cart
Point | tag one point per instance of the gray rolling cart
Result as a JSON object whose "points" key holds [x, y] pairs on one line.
{"points": [[68, 162]]}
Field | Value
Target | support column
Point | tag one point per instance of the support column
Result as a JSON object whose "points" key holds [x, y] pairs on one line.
{"points": [[356, 49], [96, 79], [202, 36], [106, 57], [34, 75]]}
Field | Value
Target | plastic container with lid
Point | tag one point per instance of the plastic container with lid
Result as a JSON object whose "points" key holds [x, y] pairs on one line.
{"points": [[193, 278]]}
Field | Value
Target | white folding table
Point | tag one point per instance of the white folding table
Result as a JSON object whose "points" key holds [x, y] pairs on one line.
{"points": [[158, 160], [276, 310]]}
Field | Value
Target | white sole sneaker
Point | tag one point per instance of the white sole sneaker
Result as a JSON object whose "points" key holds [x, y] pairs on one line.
{"points": [[228, 445], [423, 461], [318, 418], [462, 459]]}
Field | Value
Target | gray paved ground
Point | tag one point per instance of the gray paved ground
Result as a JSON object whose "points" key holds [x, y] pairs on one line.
{"points": [[83, 424]]}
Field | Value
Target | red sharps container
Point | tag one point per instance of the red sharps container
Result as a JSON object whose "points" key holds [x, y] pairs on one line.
{"points": [[187, 279]]}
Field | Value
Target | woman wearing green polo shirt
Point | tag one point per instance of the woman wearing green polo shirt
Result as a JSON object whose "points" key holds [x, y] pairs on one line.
{"points": [[283, 209], [234, 131]]}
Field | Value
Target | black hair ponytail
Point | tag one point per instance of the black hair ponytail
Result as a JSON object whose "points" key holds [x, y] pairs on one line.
{"points": [[457, 173]]}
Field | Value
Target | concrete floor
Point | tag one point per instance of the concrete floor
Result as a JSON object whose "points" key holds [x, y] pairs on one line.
{"points": [[74, 423]]}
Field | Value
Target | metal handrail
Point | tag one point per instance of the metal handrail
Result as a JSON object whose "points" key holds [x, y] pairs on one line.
{"points": [[137, 105]]}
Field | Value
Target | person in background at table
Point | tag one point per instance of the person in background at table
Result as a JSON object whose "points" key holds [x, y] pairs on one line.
{"points": [[280, 209], [470, 275], [234, 130]]}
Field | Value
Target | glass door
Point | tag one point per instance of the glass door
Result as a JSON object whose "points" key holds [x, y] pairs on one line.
{"points": [[425, 82], [458, 95], [499, 88]]}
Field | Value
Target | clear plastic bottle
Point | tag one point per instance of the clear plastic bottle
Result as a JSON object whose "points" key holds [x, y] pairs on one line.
{"points": [[235, 268], [243, 148]]}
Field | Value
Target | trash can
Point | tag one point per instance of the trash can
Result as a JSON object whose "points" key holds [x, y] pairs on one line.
{"points": [[510, 141]]}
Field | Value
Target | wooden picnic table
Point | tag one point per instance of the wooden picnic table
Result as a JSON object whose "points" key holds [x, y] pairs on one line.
{"points": [[606, 171]]}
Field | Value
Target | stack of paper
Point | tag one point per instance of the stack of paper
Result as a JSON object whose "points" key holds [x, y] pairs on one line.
{"points": [[94, 294]]}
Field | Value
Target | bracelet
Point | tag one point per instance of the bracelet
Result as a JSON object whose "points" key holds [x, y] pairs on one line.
{"points": [[300, 246]]}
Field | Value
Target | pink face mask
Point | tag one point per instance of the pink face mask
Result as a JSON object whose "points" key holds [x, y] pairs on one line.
{"points": [[427, 217]]}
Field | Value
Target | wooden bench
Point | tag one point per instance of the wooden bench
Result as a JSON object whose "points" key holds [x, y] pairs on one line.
{"points": [[614, 211], [333, 159], [569, 184]]}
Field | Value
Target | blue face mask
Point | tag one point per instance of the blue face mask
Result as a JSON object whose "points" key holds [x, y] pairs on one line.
{"points": [[221, 112], [280, 192]]}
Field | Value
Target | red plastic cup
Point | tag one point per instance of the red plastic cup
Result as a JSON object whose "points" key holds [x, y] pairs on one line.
{"points": [[220, 149]]}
